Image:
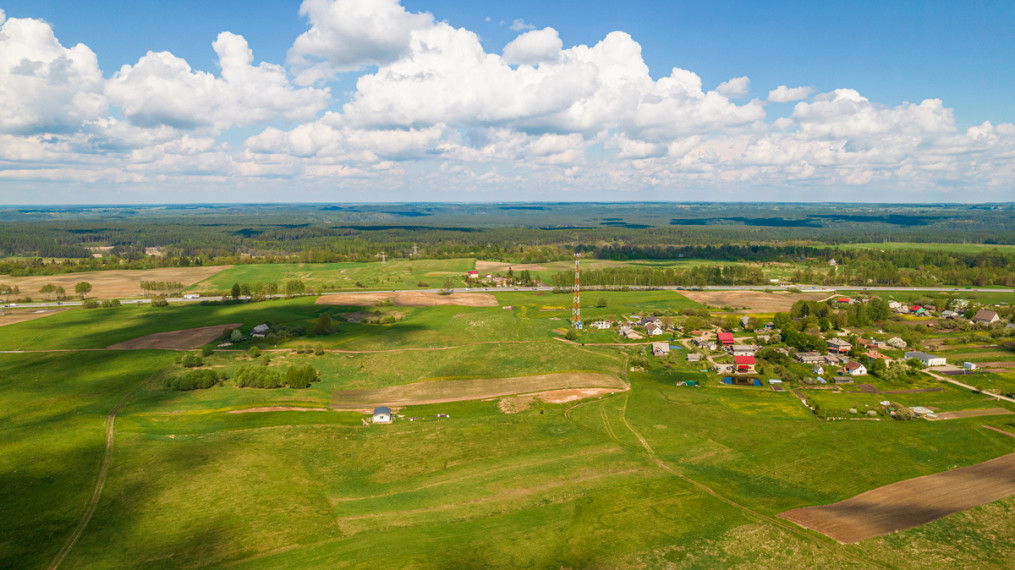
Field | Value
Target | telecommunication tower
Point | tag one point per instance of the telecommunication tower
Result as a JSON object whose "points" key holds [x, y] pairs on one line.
{"points": [[576, 311]]}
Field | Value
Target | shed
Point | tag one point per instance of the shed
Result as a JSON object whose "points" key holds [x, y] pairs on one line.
{"points": [[382, 415]]}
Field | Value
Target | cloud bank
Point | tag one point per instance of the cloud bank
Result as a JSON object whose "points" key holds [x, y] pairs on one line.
{"points": [[434, 113]]}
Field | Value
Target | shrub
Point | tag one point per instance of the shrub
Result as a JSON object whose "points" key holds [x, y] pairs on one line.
{"points": [[206, 351], [255, 352], [192, 380], [257, 377], [160, 302], [110, 303], [319, 349], [90, 304], [301, 376], [191, 360]]}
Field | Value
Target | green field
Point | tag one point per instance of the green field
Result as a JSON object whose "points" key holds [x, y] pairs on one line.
{"points": [[655, 476]]}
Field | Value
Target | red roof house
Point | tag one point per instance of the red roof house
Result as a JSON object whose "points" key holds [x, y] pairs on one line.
{"points": [[744, 363], [843, 299], [726, 338]]}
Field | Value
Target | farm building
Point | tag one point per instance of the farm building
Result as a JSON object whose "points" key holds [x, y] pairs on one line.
{"points": [[745, 364], [602, 324], [986, 317], [382, 415], [660, 348], [927, 359], [260, 330], [744, 349], [855, 369], [809, 357], [726, 339], [838, 345], [969, 365]]}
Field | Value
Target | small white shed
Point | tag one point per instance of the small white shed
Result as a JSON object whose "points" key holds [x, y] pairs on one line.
{"points": [[382, 415]]}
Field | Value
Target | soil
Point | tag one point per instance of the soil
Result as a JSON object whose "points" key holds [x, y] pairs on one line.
{"points": [[10, 318], [565, 396], [112, 284], [973, 413], [910, 503], [435, 392], [409, 299], [276, 409], [500, 267], [752, 301], [186, 339]]}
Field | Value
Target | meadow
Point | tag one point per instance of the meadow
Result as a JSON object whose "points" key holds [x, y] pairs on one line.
{"points": [[658, 475], [951, 247]]}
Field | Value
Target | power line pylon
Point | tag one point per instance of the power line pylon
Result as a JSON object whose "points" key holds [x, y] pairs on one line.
{"points": [[576, 311]]}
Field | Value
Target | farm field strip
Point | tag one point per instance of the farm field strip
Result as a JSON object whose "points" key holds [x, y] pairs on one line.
{"points": [[458, 390], [185, 339], [910, 503], [408, 299]]}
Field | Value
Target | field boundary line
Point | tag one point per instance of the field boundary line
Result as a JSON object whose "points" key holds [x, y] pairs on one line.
{"points": [[998, 430], [107, 462]]}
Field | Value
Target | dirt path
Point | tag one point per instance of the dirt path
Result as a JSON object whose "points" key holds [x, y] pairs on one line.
{"points": [[93, 503], [967, 386], [971, 414], [998, 430]]}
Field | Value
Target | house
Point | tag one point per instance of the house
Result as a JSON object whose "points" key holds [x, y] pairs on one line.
{"points": [[602, 324], [260, 330], [653, 320], [838, 345], [726, 339], [893, 305], [854, 368], [653, 329], [949, 314], [660, 348], [744, 321], [875, 355], [744, 349], [986, 317], [927, 359], [629, 333], [694, 357], [809, 357], [918, 311], [818, 369], [473, 275], [846, 300], [745, 364], [382, 415]]}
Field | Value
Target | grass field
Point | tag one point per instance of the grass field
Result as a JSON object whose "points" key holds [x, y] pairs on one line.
{"points": [[953, 247], [656, 476]]}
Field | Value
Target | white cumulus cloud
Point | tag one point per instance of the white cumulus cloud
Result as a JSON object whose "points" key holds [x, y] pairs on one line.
{"points": [[735, 88], [783, 94], [345, 35], [531, 48], [45, 87]]}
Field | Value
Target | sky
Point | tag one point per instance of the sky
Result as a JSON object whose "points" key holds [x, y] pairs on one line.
{"points": [[143, 101]]}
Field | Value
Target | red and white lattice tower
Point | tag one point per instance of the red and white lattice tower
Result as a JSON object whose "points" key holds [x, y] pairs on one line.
{"points": [[576, 311]]}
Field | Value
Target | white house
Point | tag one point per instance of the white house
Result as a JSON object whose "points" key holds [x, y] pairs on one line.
{"points": [[601, 324], [818, 369], [653, 329], [382, 415], [744, 349], [855, 369], [927, 359], [969, 365]]}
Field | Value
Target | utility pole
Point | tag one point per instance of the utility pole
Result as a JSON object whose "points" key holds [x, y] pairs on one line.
{"points": [[415, 251], [384, 259], [576, 311]]}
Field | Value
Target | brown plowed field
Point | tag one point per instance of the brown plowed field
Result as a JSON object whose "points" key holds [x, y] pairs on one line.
{"points": [[10, 318], [409, 299], [754, 301], [910, 503], [973, 413], [112, 284], [185, 339], [457, 390]]}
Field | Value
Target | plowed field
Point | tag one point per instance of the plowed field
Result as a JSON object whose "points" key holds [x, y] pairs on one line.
{"points": [[114, 283], [910, 503], [185, 339], [751, 301], [409, 299]]}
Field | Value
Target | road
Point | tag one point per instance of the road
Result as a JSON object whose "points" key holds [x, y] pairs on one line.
{"points": [[804, 288]]}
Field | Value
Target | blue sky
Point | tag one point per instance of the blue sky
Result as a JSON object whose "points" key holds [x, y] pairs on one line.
{"points": [[458, 100]]}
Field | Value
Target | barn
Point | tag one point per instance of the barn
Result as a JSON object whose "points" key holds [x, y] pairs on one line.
{"points": [[382, 415], [726, 338]]}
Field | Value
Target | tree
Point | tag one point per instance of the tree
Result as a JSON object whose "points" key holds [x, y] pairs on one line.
{"points": [[294, 287], [61, 293], [571, 334], [236, 336], [601, 302], [255, 352], [236, 291], [82, 288], [323, 324], [47, 289], [730, 322]]}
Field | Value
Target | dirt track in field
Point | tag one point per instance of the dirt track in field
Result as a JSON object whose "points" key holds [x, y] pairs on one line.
{"points": [[973, 413], [112, 284], [276, 409], [409, 299], [910, 503], [186, 339], [752, 301], [501, 267], [436, 392], [10, 318]]}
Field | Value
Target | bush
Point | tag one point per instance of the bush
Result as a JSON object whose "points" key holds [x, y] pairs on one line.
{"points": [[236, 336], [571, 334], [206, 351], [191, 360], [319, 349], [255, 352], [193, 380], [90, 304], [301, 376], [110, 303], [257, 377], [160, 302]]}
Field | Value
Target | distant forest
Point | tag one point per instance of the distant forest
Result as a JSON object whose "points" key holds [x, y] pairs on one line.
{"points": [[144, 237]]}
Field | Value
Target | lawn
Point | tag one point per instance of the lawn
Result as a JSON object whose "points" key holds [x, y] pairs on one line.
{"points": [[951, 247]]}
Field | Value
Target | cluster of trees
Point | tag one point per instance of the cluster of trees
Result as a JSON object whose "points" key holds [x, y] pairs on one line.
{"points": [[696, 276], [161, 288], [192, 380], [264, 377]]}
